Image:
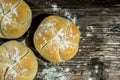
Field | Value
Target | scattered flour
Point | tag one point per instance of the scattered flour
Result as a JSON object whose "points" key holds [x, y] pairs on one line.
{"points": [[88, 34], [70, 16], [90, 78], [52, 73], [78, 66], [66, 13], [55, 7], [66, 69]]}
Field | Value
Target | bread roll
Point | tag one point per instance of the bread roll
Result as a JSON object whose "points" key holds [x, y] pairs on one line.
{"points": [[57, 39], [15, 17], [17, 62]]}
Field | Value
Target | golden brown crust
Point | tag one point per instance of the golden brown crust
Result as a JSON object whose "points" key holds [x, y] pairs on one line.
{"points": [[18, 61], [13, 76], [72, 34], [15, 17], [40, 40], [27, 66], [51, 52], [3, 69], [13, 47], [68, 52], [63, 44], [3, 53]]}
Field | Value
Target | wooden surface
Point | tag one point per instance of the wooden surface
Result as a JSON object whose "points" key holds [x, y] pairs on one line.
{"points": [[100, 37]]}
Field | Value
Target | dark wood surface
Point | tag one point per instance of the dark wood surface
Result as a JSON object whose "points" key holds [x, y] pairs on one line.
{"points": [[99, 22]]}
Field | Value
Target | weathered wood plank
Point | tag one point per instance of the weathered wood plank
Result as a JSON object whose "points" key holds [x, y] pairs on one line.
{"points": [[100, 36]]}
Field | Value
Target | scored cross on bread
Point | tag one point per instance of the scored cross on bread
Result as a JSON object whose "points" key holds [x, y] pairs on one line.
{"points": [[17, 62], [15, 18], [57, 39]]}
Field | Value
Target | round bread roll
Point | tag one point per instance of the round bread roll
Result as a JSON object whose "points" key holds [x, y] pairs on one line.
{"points": [[57, 39], [17, 62], [15, 17]]}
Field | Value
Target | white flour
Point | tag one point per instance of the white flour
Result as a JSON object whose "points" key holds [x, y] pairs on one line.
{"points": [[54, 7], [52, 73], [67, 13]]}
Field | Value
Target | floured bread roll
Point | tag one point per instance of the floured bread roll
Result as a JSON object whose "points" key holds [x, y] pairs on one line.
{"points": [[56, 39], [17, 62], [15, 17]]}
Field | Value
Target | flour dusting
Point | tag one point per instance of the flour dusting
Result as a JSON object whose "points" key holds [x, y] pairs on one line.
{"points": [[4, 5], [8, 17], [16, 55], [6, 22], [60, 38], [48, 24], [55, 7], [66, 13], [73, 18], [53, 73], [15, 59], [14, 11]]}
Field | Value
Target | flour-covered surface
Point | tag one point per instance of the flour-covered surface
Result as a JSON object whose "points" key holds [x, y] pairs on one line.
{"points": [[98, 57]]}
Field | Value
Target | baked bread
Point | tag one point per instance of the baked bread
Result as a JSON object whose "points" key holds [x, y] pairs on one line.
{"points": [[15, 17], [17, 62], [57, 39]]}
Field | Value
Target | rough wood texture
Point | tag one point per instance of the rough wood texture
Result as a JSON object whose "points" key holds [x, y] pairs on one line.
{"points": [[100, 37]]}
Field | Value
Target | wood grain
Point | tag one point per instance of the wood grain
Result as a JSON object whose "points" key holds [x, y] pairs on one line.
{"points": [[100, 37]]}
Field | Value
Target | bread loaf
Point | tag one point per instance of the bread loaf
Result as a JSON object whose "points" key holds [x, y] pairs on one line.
{"points": [[15, 18], [17, 62], [57, 38]]}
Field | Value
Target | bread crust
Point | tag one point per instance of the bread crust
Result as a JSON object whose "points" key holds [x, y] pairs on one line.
{"points": [[57, 39], [15, 18], [17, 62]]}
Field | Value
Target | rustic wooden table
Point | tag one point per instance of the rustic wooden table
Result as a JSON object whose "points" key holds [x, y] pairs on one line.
{"points": [[99, 53]]}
